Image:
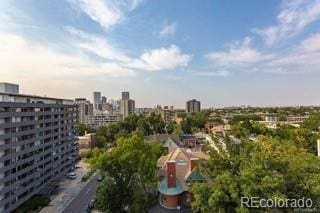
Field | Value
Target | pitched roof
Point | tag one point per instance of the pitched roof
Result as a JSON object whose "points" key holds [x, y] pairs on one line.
{"points": [[182, 158], [162, 137]]}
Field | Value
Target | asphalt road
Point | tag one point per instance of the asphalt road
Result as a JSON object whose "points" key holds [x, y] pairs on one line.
{"points": [[81, 201]]}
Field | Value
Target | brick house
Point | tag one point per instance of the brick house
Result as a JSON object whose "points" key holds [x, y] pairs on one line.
{"points": [[177, 171]]}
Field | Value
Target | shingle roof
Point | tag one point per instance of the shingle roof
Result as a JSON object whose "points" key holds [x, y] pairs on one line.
{"points": [[182, 159]]}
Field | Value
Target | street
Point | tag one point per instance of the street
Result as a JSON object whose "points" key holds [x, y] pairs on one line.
{"points": [[81, 201]]}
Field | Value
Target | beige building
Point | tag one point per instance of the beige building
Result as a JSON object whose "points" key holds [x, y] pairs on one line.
{"points": [[127, 107], [167, 113], [87, 143], [102, 119]]}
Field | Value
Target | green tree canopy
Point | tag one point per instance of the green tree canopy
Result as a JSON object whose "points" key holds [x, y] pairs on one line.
{"points": [[81, 129], [130, 168], [266, 168]]}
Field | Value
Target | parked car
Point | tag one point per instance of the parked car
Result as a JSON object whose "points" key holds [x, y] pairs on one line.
{"points": [[91, 204], [72, 175], [100, 178]]}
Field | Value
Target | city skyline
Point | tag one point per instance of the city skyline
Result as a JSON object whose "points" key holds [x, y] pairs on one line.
{"points": [[222, 53]]}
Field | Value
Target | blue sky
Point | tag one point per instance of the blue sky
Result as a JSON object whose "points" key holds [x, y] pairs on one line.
{"points": [[222, 52]]}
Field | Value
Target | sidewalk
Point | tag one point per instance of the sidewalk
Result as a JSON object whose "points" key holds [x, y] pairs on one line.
{"points": [[68, 189]]}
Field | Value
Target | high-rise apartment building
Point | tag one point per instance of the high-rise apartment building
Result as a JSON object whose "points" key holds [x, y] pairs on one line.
{"points": [[85, 109], [127, 107], [125, 96], [193, 106], [37, 145], [103, 99], [167, 113], [97, 100]]}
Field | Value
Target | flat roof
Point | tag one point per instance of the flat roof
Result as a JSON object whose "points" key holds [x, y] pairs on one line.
{"points": [[35, 96]]}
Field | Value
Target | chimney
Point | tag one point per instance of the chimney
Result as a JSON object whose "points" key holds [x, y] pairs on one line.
{"points": [[193, 163], [318, 145], [171, 174]]}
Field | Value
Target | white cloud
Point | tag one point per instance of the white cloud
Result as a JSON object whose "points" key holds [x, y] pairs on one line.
{"points": [[18, 56], [218, 73], [97, 45], [241, 53], [151, 60], [301, 58], [105, 12], [294, 16], [161, 59], [311, 44], [168, 30]]}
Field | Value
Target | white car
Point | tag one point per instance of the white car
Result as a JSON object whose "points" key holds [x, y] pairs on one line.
{"points": [[72, 175]]}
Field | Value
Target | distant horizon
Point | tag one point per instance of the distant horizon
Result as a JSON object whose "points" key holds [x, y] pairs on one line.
{"points": [[223, 53], [24, 92]]}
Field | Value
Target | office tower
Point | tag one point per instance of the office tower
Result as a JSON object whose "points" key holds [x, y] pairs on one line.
{"points": [[193, 106], [9, 88], [37, 145], [103, 99], [127, 107], [85, 108], [125, 96], [97, 100]]}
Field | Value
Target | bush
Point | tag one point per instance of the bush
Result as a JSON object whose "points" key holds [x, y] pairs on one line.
{"points": [[88, 175]]}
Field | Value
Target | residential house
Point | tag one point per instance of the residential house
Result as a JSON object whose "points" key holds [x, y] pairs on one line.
{"points": [[177, 172]]}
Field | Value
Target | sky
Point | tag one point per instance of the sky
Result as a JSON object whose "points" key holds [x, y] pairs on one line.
{"points": [[221, 52]]}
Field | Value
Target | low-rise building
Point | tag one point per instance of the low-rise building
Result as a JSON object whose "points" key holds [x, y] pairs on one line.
{"points": [[188, 141], [177, 172], [99, 120], [171, 142], [296, 119], [87, 143]]}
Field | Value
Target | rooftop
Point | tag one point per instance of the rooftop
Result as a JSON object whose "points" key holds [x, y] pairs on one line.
{"points": [[182, 158]]}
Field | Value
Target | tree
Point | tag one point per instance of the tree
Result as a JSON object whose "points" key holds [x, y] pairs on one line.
{"points": [[107, 135], [171, 127], [266, 168], [313, 122], [156, 123], [81, 129], [194, 122], [130, 169]]}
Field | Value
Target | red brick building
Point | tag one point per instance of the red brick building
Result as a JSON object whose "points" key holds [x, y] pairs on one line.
{"points": [[177, 172]]}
